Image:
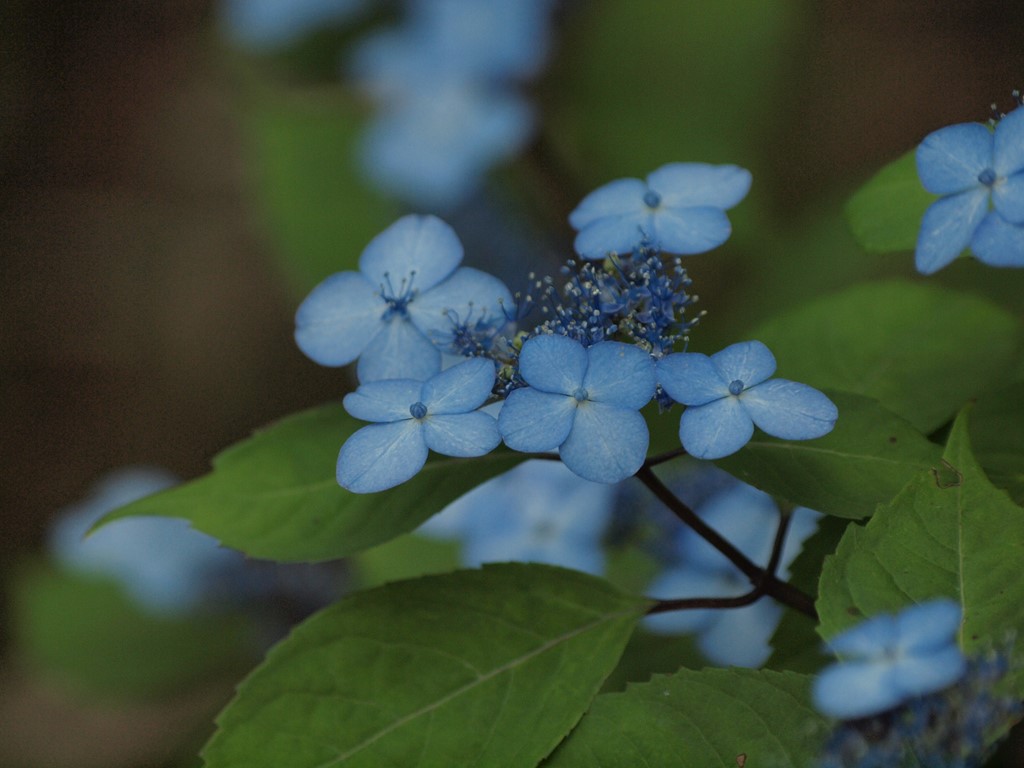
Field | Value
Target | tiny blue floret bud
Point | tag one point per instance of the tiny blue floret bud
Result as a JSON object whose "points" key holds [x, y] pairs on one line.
{"points": [[418, 410]]}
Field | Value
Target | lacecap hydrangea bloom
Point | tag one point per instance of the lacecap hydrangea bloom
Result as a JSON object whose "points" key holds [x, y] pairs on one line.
{"points": [[679, 209], [980, 175], [890, 659], [729, 392], [395, 314]]}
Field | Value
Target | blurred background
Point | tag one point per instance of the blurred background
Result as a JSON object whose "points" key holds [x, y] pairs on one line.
{"points": [[175, 175]]}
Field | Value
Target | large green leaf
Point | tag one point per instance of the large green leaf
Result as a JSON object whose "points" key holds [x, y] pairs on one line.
{"points": [[482, 668], [885, 214], [920, 350], [864, 461], [274, 495], [715, 718], [949, 533], [997, 434]]}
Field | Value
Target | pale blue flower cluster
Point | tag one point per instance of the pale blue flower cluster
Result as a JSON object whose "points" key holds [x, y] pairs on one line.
{"points": [[737, 636], [979, 174], [445, 81]]}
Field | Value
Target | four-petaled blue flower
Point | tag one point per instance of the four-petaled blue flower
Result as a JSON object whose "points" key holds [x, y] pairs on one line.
{"points": [[890, 660], [395, 314], [679, 209], [583, 401], [439, 414], [727, 393], [970, 166]]}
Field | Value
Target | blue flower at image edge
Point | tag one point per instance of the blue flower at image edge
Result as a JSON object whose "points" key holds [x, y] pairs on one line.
{"points": [[396, 313], [888, 660], [439, 414], [729, 392], [584, 401], [679, 209], [980, 176]]}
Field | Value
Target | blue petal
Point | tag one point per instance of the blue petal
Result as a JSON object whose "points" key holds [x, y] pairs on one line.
{"points": [[790, 410], [740, 636], [921, 674], [748, 361], [687, 185], [1008, 198], [614, 234], [607, 443], [423, 246], [691, 378], [622, 196], [802, 525], [857, 689], [999, 243], [336, 321], [715, 430], [950, 159], [553, 363], [468, 295], [873, 638], [386, 400], [1008, 144], [928, 626], [381, 456], [688, 231], [620, 374], [743, 515], [947, 227], [461, 434], [534, 421], [461, 388], [399, 351]]}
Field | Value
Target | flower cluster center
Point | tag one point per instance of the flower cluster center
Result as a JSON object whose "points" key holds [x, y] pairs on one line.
{"points": [[418, 410], [736, 386]]}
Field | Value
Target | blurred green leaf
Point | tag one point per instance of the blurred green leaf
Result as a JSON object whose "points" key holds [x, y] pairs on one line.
{"points": [[275, 495], [885, 214], [997, 434], [486, 667], [406, 557]]}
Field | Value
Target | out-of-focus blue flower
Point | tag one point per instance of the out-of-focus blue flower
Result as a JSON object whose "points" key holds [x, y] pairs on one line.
{"points": [[538, 512], [980, 175], [583, 401], [166, 566], [680, 209], [731, 636], [729, 392], [394, 315], [890, 659], [275, 23], [439, 414]]}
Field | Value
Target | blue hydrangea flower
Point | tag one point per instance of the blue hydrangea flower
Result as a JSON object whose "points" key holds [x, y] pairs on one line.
{"points": [[729, 392], [980, 175], [538, 512], [583, 401], [890, 659], [734, 636], [165, 565], [679, 209], [395, 314], [439, 414]]}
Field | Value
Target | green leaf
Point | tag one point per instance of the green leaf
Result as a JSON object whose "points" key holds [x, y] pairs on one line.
{"points": [[406, 557], [489, 668], [997, 434], [885, 214], [866, 460], [274, 495], [88, 633], [920, 350], [949, 533], [715, 718]]}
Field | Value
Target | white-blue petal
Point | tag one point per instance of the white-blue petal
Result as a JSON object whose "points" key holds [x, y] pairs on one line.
{"points": [[686, 185], [468, 294], [386, 400], [856, 689], [790, 410], [381, 456], [607, 443], [1008, 144], [687, 231], [691, 378], [461, 434], [553, 363], [533, 421], [947, 227], [928, 626], [620, 374], [950, 159], [875, 637], [717, 429], [926, 673], [461, 388], [1008, 198], [423, 245], [622, 196], [748, 361], [337, 320], [999, 243], [739, 637], [743, 515], [614, 234], [399, 351]]}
